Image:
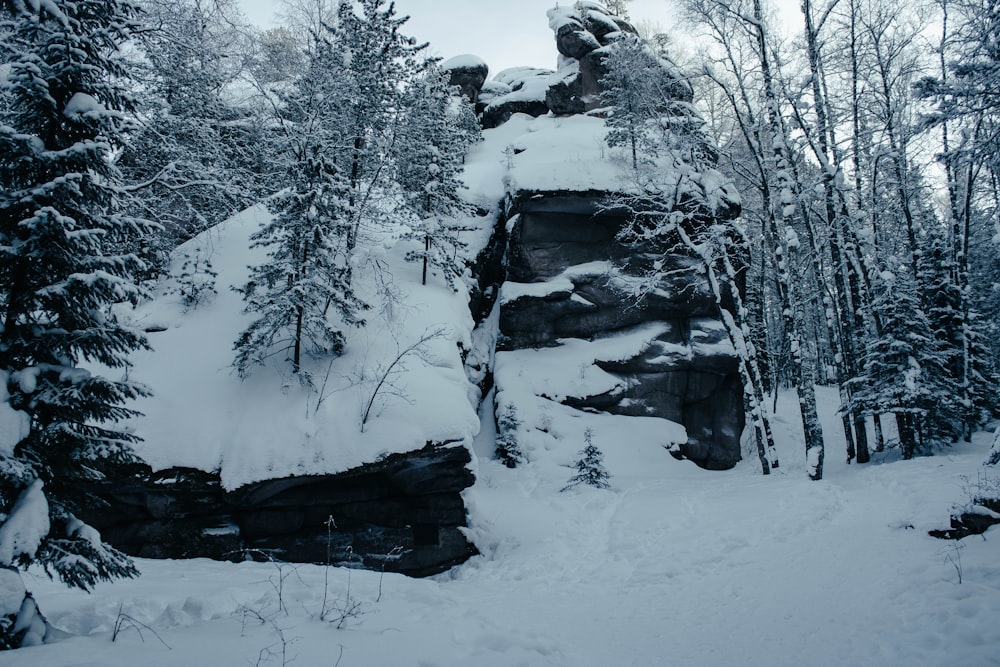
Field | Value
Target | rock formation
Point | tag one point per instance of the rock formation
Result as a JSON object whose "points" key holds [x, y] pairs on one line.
{"points": [[686, 372], [584, 33], [400, 514], [468, 73], [570, 277]]}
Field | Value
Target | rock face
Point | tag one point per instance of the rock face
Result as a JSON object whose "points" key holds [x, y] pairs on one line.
{"points": [[687, 373], [401, 514]]}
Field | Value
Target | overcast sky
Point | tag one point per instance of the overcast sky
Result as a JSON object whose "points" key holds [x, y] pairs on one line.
{"points": [[504, 33]]}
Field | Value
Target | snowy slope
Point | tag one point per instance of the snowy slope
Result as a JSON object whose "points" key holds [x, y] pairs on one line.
{"points": [[203, 416], [671, 566]]}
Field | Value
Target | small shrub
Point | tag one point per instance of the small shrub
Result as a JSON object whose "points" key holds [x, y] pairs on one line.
{"points": [[196, 281]]}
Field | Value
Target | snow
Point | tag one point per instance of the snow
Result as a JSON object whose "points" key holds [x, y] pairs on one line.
{"points": [[531, 88], [14, 424], [565, 154], [517, 76], [561, 16], [11, 591], [512, 291], [82, 104], [465, 61], [569, 370], [672, 565], [23, 530]]}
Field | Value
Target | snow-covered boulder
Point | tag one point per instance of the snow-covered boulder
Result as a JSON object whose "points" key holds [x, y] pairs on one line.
{"points": [[574, 41], [585, 26], [585, 34], [565, 93], [468, 73], [528, 86]]}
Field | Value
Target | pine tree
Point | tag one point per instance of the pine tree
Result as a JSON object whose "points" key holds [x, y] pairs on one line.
{"points": [[647, 98], [590, 466], [376, 62], [434, 138], [306, 279], [508, 450], [906, 371], [956, 330], [64, 112]]}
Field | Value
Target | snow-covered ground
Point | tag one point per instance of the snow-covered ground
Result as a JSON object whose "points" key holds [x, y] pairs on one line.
{"points": [[671, 566]]}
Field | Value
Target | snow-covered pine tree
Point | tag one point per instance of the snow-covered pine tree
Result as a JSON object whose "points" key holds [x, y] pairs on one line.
{"points": [[376, 62], [625, 91], [64, 112], [955, 328], [508, 450], [643, 93], [433, 138], [906, 371], [590, 466], [306, 280]]}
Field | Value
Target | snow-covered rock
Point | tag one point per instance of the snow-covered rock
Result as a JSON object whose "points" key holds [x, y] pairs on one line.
{"points": [[469, 73], [576, 295], [528, 86]]}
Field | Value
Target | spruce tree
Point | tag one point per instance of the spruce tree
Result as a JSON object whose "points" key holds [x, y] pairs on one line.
{"points": [[306, 280], [956, 329], [434, 139], [590, 466], [905, 371], [508, 450], [64, 113]]}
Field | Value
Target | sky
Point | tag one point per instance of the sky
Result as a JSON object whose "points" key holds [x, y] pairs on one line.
{"points": [[504, 33]]}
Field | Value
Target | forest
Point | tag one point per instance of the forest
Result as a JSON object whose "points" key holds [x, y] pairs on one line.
{"points": [[863, 139]]}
